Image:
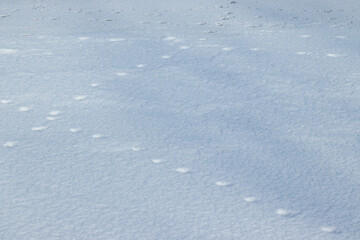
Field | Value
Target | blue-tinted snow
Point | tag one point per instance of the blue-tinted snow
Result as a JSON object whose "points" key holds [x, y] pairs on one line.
{"points": [[179, 119]]}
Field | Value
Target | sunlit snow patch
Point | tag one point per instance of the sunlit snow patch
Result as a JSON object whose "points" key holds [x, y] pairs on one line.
{"points": [[52, 118], [328, 229], [23, 109], [341, 37], [121, 74], [74, 130], [183, 170], [7, 51], [172, 39], [9, 144], [223, 184], [286, 212], [251, 199], [6, 101], [81, 97], [97, 136], [37, 129], [116, 39], [158, 160], [334, 55], [54, 113]]}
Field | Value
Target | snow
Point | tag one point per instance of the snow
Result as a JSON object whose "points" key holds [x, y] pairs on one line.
{"points": [[208, 119]]}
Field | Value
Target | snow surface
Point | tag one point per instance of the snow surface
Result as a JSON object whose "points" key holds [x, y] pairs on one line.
{"points": [[207, 119]]}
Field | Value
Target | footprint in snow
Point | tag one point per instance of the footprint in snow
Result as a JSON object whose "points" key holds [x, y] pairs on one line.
{"points": [[183, 170]]}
